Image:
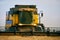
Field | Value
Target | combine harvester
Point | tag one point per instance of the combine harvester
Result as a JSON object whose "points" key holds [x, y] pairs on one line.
{"points": [[24, 19]]}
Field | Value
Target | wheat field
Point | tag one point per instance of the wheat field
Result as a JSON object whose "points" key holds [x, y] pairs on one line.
{"points": [[29, 37]]}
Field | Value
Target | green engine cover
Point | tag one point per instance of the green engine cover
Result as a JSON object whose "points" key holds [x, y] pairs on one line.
{"points": [[25, 17]]}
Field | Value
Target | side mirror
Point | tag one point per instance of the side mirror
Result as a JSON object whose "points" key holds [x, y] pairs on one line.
{"points": [[41, 14]]}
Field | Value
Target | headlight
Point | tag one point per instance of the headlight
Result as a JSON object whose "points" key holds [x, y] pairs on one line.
{"points": [[20, 24], [34, 24]]}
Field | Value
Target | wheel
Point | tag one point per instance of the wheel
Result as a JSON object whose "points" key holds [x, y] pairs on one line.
{"points": [[38, 29], [43, 27]]}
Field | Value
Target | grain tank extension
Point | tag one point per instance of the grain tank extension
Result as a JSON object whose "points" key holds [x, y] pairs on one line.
{"points": [[23, 18]]}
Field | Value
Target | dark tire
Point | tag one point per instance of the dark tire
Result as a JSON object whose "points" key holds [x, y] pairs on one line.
{"points": [[43, 27], [38, 29]]}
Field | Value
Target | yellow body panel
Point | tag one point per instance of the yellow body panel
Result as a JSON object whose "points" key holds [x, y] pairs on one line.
{"points": [[15, 19], [35, 19]]}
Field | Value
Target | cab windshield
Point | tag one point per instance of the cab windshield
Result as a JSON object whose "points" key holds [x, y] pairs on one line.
{"points": [[25, 17]]}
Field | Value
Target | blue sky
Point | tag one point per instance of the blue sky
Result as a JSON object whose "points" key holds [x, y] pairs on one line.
{"points": [[51, 10]]}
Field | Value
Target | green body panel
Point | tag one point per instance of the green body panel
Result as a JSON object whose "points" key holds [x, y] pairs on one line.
{"points": [[25, 6]]}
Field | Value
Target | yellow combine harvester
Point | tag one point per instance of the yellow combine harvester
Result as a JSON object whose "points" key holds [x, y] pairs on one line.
{"points": [[23, 18]]}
